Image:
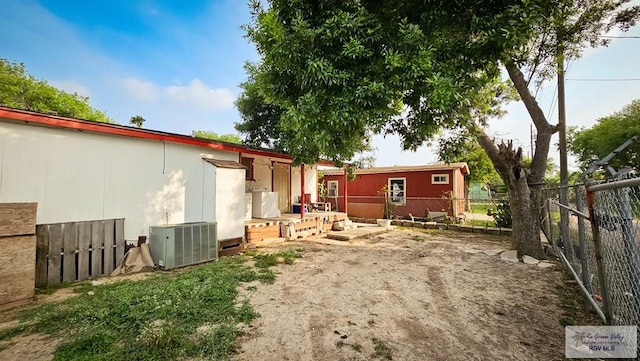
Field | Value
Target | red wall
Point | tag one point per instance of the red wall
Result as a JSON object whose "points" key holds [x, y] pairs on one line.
{"points": [[364, 189]]}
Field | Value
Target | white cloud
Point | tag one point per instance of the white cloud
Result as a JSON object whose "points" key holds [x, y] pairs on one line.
{"points": [[141, 90], [71, 86], [195, 95], [199, 95]]}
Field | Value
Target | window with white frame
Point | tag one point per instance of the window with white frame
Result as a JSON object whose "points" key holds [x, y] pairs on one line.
{"points": [[332, 189], [439, 179], [397, 190]]}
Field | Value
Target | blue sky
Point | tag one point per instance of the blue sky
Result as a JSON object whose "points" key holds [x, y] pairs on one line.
{"points": [[179, 64]]}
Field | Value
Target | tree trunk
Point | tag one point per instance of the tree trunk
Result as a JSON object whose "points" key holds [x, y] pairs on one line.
{"points": [[523, 186], [526, 224], [467, 196]]}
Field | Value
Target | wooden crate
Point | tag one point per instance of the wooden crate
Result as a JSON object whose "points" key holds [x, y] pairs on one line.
{"points": [[17, 253], [230, 247]]}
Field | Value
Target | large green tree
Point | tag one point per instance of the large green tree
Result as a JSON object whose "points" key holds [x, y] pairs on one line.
{"points": [[261, 127], [460, 146], [20, 90], [209, 134], [260, 120], [343, 68], [593, 144]]}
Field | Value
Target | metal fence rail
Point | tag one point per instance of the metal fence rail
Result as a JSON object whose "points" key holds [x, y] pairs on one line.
{"points": [[600, 243]]}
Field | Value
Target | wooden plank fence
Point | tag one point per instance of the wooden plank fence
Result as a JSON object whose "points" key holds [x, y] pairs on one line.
{"points": [[77, 251]]}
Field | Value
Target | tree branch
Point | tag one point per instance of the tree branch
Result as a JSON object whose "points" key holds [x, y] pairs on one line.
{"points": [[536, 113], [545, 130], [492, 151]]}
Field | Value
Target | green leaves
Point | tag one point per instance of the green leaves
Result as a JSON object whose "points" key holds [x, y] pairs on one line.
{"points": [[20, 90], [341, 70], [208, 134], [593, 144]]}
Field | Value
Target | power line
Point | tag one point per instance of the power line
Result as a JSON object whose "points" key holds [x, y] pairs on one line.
{"points": [[604, 79], [620, 37]]}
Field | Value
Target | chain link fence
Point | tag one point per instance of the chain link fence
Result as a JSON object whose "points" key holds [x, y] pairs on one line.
{"points": [[599, 240], [616, 211]]}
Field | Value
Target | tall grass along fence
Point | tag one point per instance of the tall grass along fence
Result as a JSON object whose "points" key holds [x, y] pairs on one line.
{"points": [[600, 243], [76, 251]]}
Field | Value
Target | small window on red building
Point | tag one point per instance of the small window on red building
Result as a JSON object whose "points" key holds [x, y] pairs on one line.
{"points": [[332, 189], [440, 179], [248, 162], [398, 190]]}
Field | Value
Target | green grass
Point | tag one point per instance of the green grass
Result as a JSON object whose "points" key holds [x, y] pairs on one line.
{"points": [[480, 223], [190, 313], [354, 346], [381, 350], [573, 305], [481, 207]]}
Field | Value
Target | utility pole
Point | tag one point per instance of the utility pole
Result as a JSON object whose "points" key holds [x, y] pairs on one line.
{"points": [[562, 123], [564, 174]]}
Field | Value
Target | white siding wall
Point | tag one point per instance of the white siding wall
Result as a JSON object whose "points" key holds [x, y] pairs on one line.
{"points": [[77, 176], [261, 174], [310, 180]]}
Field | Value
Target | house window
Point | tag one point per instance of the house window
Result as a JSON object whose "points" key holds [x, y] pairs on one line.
{"points": [[332, 189], [440, 179], [397, 190], [248, 162]]}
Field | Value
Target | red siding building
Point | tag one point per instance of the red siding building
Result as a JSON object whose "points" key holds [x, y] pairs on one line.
{"points": [[415, 190]]}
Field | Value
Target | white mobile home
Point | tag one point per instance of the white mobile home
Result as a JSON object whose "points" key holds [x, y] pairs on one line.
{"points": [[79, 170]]}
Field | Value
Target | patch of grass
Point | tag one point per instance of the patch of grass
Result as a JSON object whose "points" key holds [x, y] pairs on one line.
{"points": [[265, 260], [158, 318], [417, 238], [53, 288], [573, 305], [481, 208], [9, 332], [266, 275], [480, 223], [354, 346], [381, 350]]}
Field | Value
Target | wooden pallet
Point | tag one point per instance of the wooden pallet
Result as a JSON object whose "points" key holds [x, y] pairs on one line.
{"points": [[230, 247], [258, 233]]}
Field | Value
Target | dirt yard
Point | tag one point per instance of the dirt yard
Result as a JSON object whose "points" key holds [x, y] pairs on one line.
{"points": [[401, 295], [405, 295]]}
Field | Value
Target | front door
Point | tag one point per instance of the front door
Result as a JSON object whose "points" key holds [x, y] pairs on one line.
{"points": [[282, 185]]}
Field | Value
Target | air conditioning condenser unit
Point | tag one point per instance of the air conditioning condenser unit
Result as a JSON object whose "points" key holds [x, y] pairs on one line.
{"points": [[181, 245]]}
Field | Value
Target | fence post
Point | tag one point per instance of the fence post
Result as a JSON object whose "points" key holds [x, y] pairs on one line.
{"points": [[602, 277], [550, 225], [628, 240], [564, 224], [584, 263]]}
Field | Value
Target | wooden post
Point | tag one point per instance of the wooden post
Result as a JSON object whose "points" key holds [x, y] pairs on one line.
{"points": [[84, 242], [42, 249], [346, 187], [302, 190]]}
